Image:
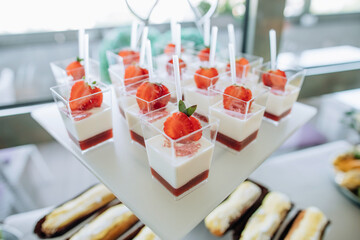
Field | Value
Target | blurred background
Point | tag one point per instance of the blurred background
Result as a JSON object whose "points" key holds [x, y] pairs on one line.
{"points": [[322, 36]]}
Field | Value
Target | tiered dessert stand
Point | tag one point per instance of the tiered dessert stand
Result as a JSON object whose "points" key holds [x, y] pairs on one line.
{"points": [[122, 166]]}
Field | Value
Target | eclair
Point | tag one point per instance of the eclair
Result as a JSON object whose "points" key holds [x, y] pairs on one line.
{"points": [[233, 208], [71, 213], [109, 225], [308, 224], [146, 234], [266, 220]]}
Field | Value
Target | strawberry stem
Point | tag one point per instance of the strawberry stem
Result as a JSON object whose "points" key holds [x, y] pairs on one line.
{"points": [[79, 59]]}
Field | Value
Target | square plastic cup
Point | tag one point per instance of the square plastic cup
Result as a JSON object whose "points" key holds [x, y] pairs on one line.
{"points": [[281, 99], [240, 120], [86, 128], [203, 98], [140, 107], [63, 75], [245, 67], [180, 165]]}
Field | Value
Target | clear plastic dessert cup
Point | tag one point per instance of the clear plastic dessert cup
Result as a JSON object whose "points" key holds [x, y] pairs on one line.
{"points": [[63, 75], [134, 112], [240, 120], [86, 128], [180, 165], [244, 70], [203, 97], [281, 99]]}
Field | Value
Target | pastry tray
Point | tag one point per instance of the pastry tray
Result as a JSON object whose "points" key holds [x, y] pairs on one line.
{"points": [[123, 168]]}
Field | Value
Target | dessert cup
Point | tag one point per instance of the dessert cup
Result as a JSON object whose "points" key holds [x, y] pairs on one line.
{"points": [[133, 113], [179, 165], [244, 72], [204, 98], [239, 124], [86, 128], [63, 76], [281, 101]]}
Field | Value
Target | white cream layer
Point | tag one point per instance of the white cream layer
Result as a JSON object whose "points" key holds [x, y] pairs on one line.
{"points": [[279, 104], [311, 226], [101, 223], [236, 125], [146, 234], [99, 121], [133, 116], [178, 171], [239, 201], [200, 97], [73, 208], [267, 219]]}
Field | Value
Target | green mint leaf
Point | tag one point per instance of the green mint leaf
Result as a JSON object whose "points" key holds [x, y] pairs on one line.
{"points": [[94, 82], [182, 107], [191, 110]]}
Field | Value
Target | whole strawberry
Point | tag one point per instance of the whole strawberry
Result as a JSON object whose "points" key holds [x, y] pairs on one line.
{"points": [[152, 96], [76, 69], [242, 67], [276, 79], [181, 123], [236, 98], [203, 55], [206, 77], [85, 97]]}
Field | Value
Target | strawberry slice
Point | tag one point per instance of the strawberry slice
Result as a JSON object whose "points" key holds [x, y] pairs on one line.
{"points": [[242, 67], [205, 77], [181, 123], [234, 92], [148, 92], [129, 56], [134, 74], [204, 54], [170, 67], [76, 69], [275, 79], [78, 99], [170, 49]]}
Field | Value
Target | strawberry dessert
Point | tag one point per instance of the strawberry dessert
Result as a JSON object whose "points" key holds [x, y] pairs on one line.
{"points": [[149, 97], [86, 112], [76, 69], [199, 93], [170, 49], [180, 149], [285, 88], [240, 113], [204, 54], [170, 67], [242, 67], [129, 56]]}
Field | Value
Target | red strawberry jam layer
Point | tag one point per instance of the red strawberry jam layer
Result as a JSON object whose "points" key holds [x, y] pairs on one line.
{"points": [[233, 144], [137, 138], [93, 141], [201, 117], [178, 191], [277, 118]]}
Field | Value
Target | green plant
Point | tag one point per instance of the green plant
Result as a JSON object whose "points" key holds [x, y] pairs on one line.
{"points": [[351, 119]]}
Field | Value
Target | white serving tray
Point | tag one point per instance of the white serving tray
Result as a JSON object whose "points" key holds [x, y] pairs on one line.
{"points": [[122, 167]]}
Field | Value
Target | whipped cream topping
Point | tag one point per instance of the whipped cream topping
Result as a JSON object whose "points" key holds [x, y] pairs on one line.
{"points": [[311, 225], [92, 199], [106, 220], [146, 234], [244, 196], [266, 220]]}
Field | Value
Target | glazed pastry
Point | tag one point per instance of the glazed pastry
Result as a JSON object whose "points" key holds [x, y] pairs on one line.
{"points": [[110, 224], [146, 234], [72, 212], [265, 222], [309, 224], [347, 168], [232, 209]]}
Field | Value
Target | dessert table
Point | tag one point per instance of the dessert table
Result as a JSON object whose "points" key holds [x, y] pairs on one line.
{"points": [[306, 176]]}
